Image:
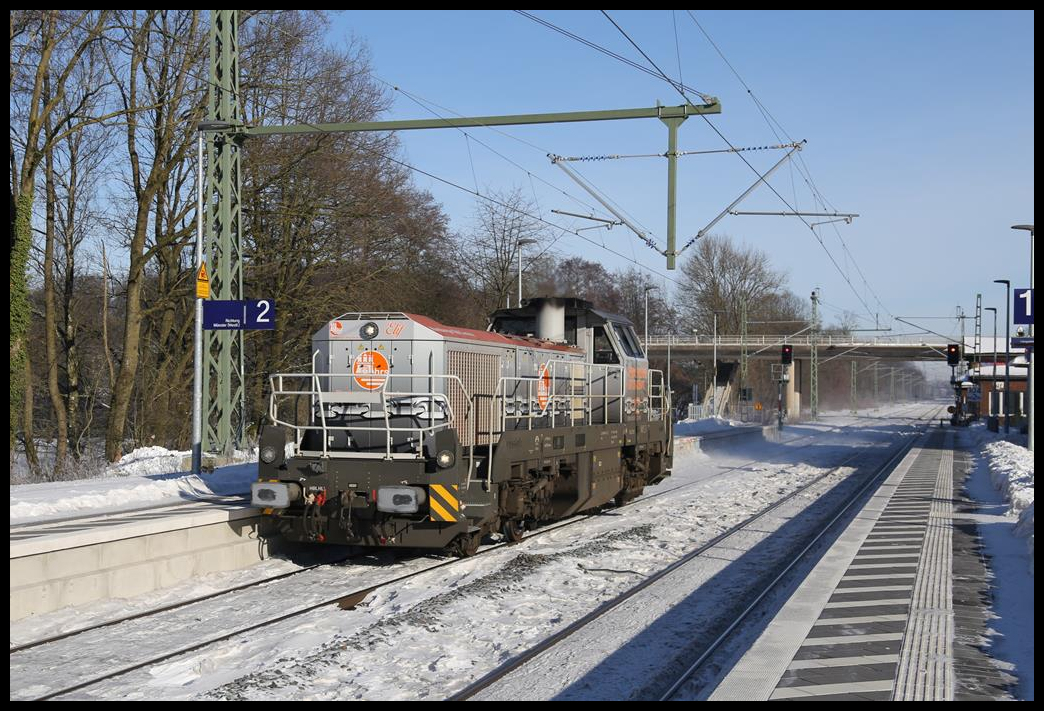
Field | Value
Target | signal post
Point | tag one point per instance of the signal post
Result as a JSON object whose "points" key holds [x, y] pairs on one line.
{"points": [[781, 373]]}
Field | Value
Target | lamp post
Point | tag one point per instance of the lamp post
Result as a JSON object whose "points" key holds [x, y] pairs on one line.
{"points": [[994, 310], [197, 337], [1029, 383], [714, 370], [521, 243], [696, 368], [1007, 352], [648, 288]]}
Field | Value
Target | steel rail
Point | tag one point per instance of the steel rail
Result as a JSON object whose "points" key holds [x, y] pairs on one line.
{"points": [[356, 593], [549, 642], [883, 470]]}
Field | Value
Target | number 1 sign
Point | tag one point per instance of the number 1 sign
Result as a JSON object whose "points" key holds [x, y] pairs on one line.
{"points": [[1023, 306]]}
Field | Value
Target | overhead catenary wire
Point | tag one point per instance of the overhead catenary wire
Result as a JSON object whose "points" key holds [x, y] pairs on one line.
{"points": [[617, 156], [670, 81], [641, 235], [564, 230], [499, 203], [603, 50], [422, 102], [426, 104], [803, 169], [615, 208]]}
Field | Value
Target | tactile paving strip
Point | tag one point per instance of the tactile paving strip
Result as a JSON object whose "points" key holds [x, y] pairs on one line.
{"points": [[888, 615]]}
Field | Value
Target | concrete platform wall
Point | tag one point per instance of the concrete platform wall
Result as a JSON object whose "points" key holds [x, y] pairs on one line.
{"points": [[49, 580]]}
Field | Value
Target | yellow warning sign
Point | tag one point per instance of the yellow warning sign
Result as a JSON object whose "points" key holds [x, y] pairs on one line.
{"points": [[202, 282]]}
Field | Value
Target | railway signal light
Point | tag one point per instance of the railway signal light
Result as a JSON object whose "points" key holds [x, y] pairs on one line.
{"points": [[953, 354], [786, 356]]}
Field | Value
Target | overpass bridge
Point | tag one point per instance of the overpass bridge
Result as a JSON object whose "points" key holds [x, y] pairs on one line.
{"points": [[764, 347], [803, 380]]}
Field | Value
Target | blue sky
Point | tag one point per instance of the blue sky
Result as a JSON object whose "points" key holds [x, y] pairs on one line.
{"points": [[921, 122]]}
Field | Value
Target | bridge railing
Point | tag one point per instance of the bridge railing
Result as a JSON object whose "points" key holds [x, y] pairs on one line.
{"points": [[801, 340]]}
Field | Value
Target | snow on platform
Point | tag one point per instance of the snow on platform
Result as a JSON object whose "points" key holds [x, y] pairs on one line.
{"points": [[1002, 482], [148, 476], [710, 426]]}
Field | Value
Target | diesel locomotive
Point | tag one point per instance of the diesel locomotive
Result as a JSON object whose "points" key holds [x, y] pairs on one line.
{"points": [[411, 433]]}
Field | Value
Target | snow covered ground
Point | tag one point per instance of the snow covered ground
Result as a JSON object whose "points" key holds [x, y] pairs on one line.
{"points": [[1002, 480], [433, 634], [147, 476], [153, 476], [710, 425]]}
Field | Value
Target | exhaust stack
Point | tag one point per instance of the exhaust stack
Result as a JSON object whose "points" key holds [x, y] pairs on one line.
{"points": [[551, 320]]}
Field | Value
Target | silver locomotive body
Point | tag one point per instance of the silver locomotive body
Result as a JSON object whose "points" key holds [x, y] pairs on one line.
{"points": [[408, 432]]}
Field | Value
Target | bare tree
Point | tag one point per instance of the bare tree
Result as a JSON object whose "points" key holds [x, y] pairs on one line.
{"points": [[166, 49], [46, 45], [718, 277], [489, 253], [332, 222]]}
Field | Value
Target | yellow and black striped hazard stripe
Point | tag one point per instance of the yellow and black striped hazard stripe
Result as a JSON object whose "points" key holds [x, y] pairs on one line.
{"points": [[443, 502]]}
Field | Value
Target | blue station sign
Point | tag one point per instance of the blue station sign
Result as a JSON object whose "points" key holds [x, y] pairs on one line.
{"points": [[1023, 306], [260, 314], [238, 315]]}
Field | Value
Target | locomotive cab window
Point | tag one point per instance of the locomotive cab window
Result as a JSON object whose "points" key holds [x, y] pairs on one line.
{"points": [[637, 344], [604, 353], [628, 341]]}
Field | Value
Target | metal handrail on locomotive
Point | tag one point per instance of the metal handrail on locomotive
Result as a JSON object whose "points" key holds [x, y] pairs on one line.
{"points": [[411, 433]]}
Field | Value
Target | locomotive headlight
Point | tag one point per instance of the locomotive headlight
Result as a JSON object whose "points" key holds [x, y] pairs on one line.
{"points": [[445, 459], [268, 454], [369, 331]]}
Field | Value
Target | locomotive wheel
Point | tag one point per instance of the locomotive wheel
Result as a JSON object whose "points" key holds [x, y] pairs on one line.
{"points": [[513, 530], [622, 499], [466, 544]]}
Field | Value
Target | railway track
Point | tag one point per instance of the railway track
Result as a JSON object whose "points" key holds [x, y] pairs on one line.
{"points": [[659, 492], [345, 599], [881, 472], [557, 638]]}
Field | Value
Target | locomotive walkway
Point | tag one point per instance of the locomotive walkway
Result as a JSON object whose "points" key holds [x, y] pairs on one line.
{"points": [[876, 618]]}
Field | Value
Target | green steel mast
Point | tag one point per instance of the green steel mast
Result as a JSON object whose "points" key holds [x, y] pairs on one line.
{"points": [[223, 392]]}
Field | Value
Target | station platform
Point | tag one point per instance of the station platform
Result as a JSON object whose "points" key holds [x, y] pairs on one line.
{"points": [[875, 620], [114, 555], [725, 437]]}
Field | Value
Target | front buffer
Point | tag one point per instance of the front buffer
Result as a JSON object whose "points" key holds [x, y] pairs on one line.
{"points": [[364, 501]]}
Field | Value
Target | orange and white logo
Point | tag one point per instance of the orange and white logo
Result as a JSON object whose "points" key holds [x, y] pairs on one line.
{"points": [[370, 369], [544, 386], [336, 327]]}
